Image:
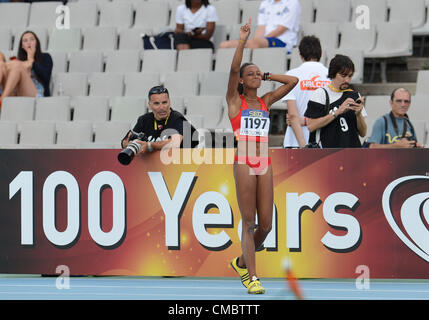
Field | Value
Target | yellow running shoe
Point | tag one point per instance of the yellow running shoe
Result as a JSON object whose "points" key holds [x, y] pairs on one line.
{"points": [[255, 287], [242, 272]]}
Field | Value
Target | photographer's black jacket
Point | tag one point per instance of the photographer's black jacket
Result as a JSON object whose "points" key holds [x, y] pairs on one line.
{"points": [[162, 130]]}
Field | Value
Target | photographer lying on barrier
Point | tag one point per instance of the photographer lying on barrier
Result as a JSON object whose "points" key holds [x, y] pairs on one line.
{"points": [[394, 129], [161, 128]]}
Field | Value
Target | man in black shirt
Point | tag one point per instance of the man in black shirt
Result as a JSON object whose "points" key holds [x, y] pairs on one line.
{"points": [[163, 127], [335, 113]]}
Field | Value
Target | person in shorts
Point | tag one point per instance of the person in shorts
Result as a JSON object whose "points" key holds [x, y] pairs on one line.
{"points": [[278, 26]]}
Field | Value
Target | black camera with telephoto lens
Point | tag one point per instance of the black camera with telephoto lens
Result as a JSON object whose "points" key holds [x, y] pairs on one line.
{"points": [[127, 155]]}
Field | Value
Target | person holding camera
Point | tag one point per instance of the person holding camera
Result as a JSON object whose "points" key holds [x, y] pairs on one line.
{"points": [[394, 129], [161, 128], [335, 114]]}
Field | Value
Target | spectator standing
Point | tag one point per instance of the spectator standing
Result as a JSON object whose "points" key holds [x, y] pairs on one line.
{"points": [[278, 26], [335, 113], [195, 25], [394, 129], [312, 75]]}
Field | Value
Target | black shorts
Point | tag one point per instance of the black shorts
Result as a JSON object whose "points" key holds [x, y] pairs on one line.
{"points": [[183, 38]]}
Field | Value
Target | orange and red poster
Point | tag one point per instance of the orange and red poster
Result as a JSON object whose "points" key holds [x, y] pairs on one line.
{"points": [[335, 210]]}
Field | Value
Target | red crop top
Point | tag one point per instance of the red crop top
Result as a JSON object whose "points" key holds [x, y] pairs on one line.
{"points": [[251, 124]]}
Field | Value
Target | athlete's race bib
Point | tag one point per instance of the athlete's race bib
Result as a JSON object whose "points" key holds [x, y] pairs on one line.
{"points": [[254, 123]]}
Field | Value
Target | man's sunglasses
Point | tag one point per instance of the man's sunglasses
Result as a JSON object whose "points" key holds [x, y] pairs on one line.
{"points": [[157, 90]]}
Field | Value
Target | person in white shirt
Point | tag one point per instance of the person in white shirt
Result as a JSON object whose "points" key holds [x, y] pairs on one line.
{"points": [[312, 74], [195, 25], [278, 26]]}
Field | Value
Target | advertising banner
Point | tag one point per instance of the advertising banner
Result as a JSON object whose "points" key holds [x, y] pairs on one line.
{"points": [[335, 212]]}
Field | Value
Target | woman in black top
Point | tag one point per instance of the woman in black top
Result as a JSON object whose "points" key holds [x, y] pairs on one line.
{"points": [[28, 75]]}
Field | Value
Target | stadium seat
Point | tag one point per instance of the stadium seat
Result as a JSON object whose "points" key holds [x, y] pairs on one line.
{"points": [[198, 60], [151, 14], [178, 103], [224, 58], [307, 11], [5, 38], [234, 30], [295, 59], [128, 108], [394, 39], [357, 56], [17, 108], [369, 125], [106, 84], [196, 120], [86, 61], [110, 131], [83, 14], [327, 33], [139, 83], [332, 10], [60, 61], [351, 36], [8, 132], [213, 83], [131, 39], [377, 10], [172, 5], [423, 30], [91, 108], [100, 38], [53, 109], [421, 130], [210, 107], [270, 59], [14, 14], [159, 61], [117, 14], [123, 61], [249, 9], [419, 107], [224, 122], [228, 12], [408, 11], [70, 84], [43, 14], [377, 105], [65, 40], [41, 32], [182, 83], [422, 85], [74, 133], [220, 34], [33, 133]]}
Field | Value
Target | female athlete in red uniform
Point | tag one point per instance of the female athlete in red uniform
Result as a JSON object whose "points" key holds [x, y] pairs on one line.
{"points": [[249, 116]]}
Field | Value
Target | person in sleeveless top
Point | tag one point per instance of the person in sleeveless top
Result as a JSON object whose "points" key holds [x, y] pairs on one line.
{"points": [[249, 116], [28, 75]]}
